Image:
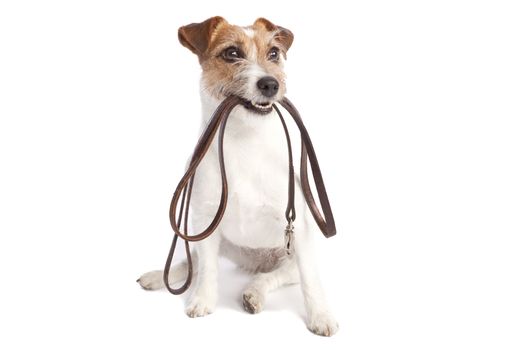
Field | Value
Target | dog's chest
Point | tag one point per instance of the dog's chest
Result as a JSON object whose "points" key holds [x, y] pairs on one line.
{"points": [[257, 170]]}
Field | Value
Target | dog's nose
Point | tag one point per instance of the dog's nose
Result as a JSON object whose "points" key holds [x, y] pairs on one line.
{"points": [[268, 86]]}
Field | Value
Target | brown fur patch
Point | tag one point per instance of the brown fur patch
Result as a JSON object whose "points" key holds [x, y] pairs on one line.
{"points": [[197, 36]]}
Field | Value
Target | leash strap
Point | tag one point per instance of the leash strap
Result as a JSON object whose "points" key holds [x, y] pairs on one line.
{"points": [[326, 224], [184, 188]]}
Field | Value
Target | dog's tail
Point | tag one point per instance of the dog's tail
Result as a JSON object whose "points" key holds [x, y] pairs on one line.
{"points": [[153, 280]]}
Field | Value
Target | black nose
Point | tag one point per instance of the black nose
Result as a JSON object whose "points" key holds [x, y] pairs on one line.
{"points": [[268, 86]]}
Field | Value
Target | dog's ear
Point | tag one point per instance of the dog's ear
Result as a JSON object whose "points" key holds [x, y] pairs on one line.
{"points": [[282, 35], [197, 36]]}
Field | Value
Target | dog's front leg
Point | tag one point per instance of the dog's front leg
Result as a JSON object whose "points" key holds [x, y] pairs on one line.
{"points": [[320, 321], [204, 297]]}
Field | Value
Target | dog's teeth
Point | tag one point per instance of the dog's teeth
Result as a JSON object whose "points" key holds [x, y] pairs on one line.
{"points": [[261, 106], [266, 107]]}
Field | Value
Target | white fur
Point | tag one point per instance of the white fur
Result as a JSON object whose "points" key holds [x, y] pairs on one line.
{"points": [[249, 32], [254, 222], [252, 74]]}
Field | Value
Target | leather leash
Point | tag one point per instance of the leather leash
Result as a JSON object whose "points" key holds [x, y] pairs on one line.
{"points": [[184, 188]]}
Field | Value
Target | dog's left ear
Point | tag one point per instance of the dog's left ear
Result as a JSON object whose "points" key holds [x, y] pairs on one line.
{"points": [[282, 35]]}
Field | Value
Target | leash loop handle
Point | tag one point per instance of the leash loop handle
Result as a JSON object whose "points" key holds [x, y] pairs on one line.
{"points": [[219, 118], [326, 224], [184, 188]]}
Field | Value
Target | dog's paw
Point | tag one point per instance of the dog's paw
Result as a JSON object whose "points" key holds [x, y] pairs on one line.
{"points": [[253, 301], [152, 280], [199, 307], [323, 324]]}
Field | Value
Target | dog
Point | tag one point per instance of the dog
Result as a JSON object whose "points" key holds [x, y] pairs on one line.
{"points": [[247, 62]]}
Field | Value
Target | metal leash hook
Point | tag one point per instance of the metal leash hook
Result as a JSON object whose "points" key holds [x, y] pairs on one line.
{"points": [[289, 238]]}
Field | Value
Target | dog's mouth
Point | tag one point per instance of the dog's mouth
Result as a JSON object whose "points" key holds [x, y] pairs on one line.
{"points": [[258, 107]]}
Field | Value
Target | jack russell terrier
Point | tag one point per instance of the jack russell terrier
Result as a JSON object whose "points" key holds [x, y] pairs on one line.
{"points": [[247, 62]]}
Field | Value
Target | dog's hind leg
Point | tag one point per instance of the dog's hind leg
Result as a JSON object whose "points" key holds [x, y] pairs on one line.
{"points": [[153, 280], [254, 295]]}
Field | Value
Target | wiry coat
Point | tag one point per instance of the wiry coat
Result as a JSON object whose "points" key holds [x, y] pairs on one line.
{"points": [[251, 234]]}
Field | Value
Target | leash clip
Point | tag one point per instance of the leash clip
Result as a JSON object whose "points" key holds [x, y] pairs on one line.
{"points": [[289, 238]]}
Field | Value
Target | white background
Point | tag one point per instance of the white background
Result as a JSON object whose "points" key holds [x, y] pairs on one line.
{"points": [[417, 112]]}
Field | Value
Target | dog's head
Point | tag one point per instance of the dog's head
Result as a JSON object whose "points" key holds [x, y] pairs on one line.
{"points": [[242, 61]]}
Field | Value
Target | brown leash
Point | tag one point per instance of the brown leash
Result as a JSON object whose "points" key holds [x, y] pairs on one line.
{"points": [[184, 188]]}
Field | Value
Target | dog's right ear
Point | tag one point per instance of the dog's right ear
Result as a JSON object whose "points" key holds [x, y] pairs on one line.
{"points": [[197, 36]]}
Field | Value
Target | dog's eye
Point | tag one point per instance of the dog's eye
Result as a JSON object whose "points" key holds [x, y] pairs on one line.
{"points": [[232, 54], [273, 54]]}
